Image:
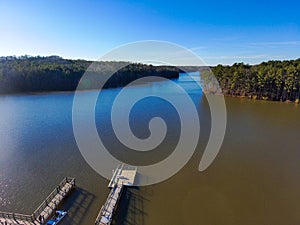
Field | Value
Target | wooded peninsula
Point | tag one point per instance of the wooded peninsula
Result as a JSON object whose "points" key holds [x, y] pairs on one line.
{"points": [[273, 80], [53, 73]]}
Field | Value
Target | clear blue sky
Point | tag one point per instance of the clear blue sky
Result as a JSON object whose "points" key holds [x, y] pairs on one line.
{"points": [[218, 31]]}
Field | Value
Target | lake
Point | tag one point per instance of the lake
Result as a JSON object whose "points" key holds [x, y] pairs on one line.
{"points": [[255, 178]]}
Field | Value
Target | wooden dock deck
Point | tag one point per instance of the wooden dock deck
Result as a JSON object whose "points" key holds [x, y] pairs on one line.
{"points": [[45, 210], [124, 175]]}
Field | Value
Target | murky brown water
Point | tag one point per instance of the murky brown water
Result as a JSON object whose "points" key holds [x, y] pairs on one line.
{"points": [[255, 179]]}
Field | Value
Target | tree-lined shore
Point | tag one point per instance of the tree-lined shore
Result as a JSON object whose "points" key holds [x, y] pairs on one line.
{"points": [[53, 73], [273, 80]]}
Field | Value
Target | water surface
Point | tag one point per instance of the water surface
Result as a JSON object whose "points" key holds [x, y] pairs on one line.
{"points": [[255, 179]]}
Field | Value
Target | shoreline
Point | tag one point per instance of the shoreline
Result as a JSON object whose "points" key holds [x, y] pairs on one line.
{"points": [[39, 93], [261, 99]]}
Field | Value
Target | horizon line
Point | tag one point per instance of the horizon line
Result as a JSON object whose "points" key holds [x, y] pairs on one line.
{"points": [[95, 60]]}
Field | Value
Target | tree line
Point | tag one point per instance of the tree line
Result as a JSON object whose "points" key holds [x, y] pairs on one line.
{"points": [[53, 73], [273, 80]]}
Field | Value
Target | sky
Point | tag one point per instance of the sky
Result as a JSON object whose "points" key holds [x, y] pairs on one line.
{"points": [[219, 32]]}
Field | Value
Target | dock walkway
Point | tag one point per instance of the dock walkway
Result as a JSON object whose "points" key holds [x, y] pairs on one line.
{"points": [[45, 210], [124, 175]]}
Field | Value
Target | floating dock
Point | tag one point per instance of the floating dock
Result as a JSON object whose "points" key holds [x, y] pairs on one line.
{"points": [[124, 175], [45, 210]]}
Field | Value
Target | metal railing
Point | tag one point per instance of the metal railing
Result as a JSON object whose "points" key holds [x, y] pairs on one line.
{"points": [[42, 207], [16, 216]]}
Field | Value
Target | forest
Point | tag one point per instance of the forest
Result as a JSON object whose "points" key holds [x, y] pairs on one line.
{"points": [[272, 80], [53, 73]]}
